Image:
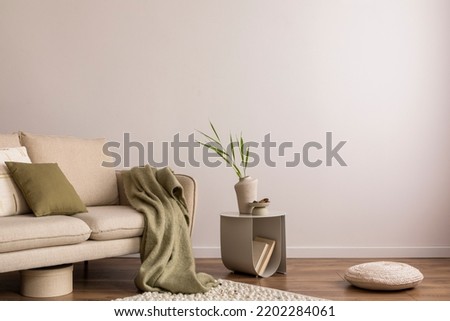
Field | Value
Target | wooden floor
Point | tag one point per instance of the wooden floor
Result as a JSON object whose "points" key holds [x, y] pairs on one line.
{"points": [[113, 278]]}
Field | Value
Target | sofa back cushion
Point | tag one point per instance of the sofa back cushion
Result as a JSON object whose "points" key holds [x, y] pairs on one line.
{"points": [[81, 161], [9, 140]]}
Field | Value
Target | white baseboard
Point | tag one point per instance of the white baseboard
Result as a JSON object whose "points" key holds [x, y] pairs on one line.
{"points": [[369, 252], [206, 252], [346, 252]]}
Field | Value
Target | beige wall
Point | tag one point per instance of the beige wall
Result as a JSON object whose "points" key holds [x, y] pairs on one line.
{"points": [[375, 73]]}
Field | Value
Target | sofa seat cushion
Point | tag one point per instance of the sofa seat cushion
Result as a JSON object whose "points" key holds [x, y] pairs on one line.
{"points": [[113, 222], [22, 232]]}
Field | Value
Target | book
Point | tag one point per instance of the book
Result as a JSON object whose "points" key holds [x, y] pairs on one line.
{"points": [[259, 252], [268, 254]]}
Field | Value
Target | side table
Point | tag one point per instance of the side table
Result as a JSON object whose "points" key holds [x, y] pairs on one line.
{"points": [[237, 232]]}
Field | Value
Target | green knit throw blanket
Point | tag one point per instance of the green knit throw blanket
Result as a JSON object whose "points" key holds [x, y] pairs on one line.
{"points": [[167, 261]]}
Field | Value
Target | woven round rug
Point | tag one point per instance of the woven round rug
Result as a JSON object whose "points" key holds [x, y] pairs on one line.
{"points": [[226, 291]]}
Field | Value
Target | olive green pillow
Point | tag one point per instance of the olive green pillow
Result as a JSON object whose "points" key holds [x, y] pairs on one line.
{"points": [[46, 189]]}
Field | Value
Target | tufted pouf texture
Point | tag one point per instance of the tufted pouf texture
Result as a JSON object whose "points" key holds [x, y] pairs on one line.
{"points": [[384, 275]]}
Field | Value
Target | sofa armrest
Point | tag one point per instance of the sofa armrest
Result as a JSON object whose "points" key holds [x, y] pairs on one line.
{"points": [[190, 194]]}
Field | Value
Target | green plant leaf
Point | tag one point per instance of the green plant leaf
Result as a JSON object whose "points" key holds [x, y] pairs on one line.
{"points": [[214, 130], [232, 149], [228, 155], [241, 148], [246, 160], [211, 139]]}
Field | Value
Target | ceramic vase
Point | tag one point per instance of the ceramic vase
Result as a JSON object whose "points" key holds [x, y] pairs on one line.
{"points": [[246, 192]]}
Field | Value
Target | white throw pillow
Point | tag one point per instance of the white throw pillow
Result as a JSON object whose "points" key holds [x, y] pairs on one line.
{"points": [[11, 199]]}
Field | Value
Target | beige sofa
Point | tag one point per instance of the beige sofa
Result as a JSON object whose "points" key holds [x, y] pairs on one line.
{"points": [[110, 228]]}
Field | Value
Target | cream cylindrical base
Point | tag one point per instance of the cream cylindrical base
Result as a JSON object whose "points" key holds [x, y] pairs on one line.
{"points": [[47, 282]]}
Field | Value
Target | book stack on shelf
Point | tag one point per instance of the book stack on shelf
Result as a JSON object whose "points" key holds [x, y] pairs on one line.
{"points": [[262, 252]]}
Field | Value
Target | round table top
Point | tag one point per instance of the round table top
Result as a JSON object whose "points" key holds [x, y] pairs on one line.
{"points": [[238, 215]]}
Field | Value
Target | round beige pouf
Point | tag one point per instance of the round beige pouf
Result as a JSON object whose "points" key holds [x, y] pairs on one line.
{"points": [[47, 282], [384, 275]]}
